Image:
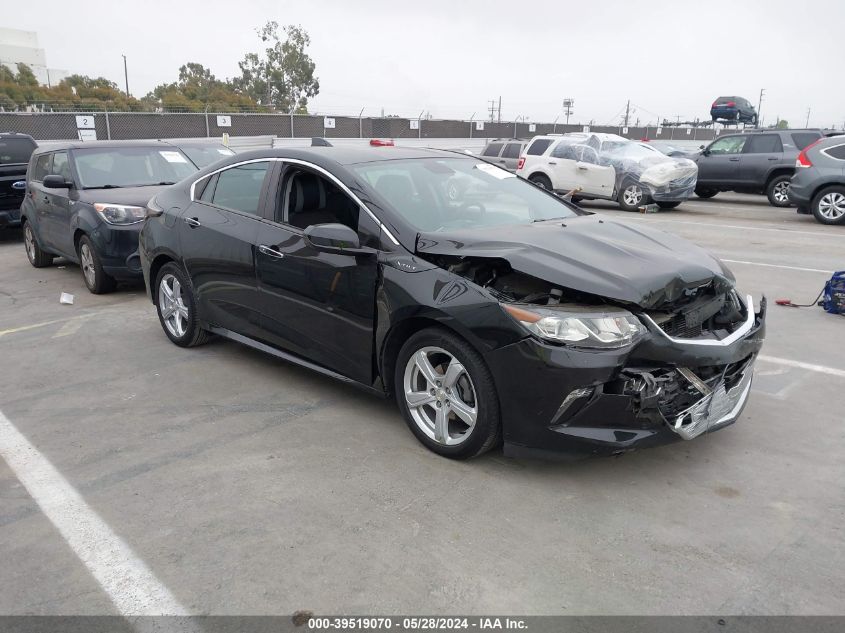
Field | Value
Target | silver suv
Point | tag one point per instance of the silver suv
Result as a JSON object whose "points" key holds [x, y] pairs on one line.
{"points": [[504, 152]]}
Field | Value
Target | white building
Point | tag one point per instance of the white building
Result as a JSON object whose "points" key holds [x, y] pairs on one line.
{"points": [[21, 47]]}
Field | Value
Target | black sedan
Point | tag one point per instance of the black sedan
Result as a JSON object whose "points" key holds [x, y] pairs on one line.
{"points": [[515, 316], [86, 201]]}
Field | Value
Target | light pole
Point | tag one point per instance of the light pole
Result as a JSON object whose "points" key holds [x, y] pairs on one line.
{"points": [[126, 75], [760, 106], [567, 107]]}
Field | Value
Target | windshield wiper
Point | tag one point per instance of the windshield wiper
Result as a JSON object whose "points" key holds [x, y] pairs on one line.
{"points": [[105, 187], [167, 182], [563, 217]]}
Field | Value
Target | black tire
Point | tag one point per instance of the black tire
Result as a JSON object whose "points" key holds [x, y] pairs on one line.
{"points": [[705, 193], [777, 192], [36, 257], [829, 195], [487, 430], [541, 180], [631, 206], [668, 205], [95, 278], [193, 334]]}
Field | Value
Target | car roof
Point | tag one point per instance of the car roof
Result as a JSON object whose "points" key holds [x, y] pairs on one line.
{"points": [[53, 146], [355, 155]]}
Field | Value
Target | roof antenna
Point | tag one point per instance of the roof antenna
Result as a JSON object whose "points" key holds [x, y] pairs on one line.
{"points": [[319, 141]]}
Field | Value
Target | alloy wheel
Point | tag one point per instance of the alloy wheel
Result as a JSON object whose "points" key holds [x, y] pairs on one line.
{"points": [[29, 242], [632, 195], [440, 396], [87, 262], [781, 192], [171, 304], [832, 206]]}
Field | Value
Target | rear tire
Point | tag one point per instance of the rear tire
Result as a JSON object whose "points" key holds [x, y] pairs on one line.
{"points": [[668, 205], [705, 193], [96, 279], [828, 205], [777, 191], [36, 257], [446, 394], [541, 180], [177, 308]]}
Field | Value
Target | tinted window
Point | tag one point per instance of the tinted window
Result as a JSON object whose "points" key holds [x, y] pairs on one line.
{"points": [[539, 146], [239, 188], [312, 199], [837, 151], [728, 145], [42, 167], [204, 189], [512, 150], [802, 139], [416, 189], [60, 165], [15, 150], [492, 149], [131, 166], [763, 144]]}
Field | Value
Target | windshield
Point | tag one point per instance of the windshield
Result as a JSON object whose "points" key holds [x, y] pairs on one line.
{"points": [[130, 166], [623, 149], [15, 150], [436, 194], [204, 156]]}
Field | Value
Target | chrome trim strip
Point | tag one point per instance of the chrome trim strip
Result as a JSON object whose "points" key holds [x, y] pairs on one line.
{"points": [[297, 161], [744, 329], [734, 413]]}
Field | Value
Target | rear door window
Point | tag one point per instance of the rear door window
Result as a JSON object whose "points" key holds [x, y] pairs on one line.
{"points": [[539, 146], [239, 188], [493, 149], [512, 150], [763, 144], [42, 167], [802, 139]]}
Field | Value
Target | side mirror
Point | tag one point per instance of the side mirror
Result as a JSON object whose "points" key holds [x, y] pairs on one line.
{"points": [[334, 238], [54, 181], [701, 147]]}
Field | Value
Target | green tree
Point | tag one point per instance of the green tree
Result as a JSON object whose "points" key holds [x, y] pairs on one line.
{"points": [[282, 75], [197, 89], [783, 124]]}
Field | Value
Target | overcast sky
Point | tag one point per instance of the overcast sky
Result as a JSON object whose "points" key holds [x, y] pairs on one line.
{"points": [[450, 57]]}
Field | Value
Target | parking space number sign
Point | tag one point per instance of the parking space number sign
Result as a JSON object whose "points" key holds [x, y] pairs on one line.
{"points": [[224, 121]]}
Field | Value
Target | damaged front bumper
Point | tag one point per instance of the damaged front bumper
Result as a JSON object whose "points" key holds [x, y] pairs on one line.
{"points": [[561, 402]]}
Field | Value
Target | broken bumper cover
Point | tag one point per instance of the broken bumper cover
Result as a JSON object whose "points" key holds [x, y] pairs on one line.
{"points": [[559, 402]]}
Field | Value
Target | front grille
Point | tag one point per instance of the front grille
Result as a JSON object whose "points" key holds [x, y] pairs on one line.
{"points": [[677, 327]]}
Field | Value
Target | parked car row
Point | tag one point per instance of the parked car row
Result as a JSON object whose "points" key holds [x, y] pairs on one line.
{"points": [[487, 317]]}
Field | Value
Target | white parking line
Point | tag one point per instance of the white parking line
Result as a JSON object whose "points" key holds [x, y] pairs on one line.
{"points": [[822, 369], [33, 326], [754, 227], [126, 579], [808, 270]]}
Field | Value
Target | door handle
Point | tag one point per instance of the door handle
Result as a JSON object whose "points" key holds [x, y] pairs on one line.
{"points": [[193, 222], [270, 251], [584, 167], [773, 158], [551, 162], [734, 160]]}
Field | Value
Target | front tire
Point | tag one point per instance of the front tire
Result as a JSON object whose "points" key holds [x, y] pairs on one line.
{"points": [[96, 279], [446, 394], [777, 191], [36, 257], [668, 204], [632, 196], [705, 193], [828, 205], [176, 307]]}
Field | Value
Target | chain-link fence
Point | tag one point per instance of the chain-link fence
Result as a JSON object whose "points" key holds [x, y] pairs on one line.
{"points": [[105, 125]]}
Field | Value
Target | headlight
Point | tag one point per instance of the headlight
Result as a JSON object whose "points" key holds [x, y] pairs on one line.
{"points": [[119, 213], [603, 328]]}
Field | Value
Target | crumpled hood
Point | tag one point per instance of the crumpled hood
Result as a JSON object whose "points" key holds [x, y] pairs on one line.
{"points": [[593, 254], [661, 173]]}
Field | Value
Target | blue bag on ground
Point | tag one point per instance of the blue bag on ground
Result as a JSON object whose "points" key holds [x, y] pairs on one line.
{"points": [[833, 300]]}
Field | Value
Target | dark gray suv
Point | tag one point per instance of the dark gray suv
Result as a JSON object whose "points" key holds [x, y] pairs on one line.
{"points": [[818, 186], [752, 162]]}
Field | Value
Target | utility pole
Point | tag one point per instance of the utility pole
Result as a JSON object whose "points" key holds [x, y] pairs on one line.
{"points": [[760, 106], [627, 112], [567, 107], [807, 124], [492, 110], [500, 108], [126, 75]]}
